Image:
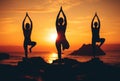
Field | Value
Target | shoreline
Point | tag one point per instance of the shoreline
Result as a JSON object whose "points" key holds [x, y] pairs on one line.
{"points": [[36, 68]]}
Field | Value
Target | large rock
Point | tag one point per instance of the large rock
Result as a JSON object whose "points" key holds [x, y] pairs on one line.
{"points": [[4, 56], [86, 50], [32, 62]]}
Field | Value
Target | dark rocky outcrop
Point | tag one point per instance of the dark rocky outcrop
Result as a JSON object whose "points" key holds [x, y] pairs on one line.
{"points": [[86, 50], [4, 56]]}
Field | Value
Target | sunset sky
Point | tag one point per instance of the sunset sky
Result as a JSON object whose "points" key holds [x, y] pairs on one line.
{"points": [[43, 14]]}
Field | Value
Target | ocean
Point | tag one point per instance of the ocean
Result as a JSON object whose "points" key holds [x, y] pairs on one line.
{"points": [[111, 57]]}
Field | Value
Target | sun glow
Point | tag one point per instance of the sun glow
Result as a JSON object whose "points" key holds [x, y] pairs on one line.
{"points": [[53, 36]]}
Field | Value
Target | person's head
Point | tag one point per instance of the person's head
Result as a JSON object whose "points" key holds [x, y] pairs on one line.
{"points": [[95, 24], [60, 20], [27, 26]]}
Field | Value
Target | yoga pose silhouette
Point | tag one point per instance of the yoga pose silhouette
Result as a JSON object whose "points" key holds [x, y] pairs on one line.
{"points": [[95, 27], [61, 40], [27, 29]]}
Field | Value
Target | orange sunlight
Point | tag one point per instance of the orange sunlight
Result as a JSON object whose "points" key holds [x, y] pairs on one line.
{"points": [[52, 57], [53, 37], [79, 16]]}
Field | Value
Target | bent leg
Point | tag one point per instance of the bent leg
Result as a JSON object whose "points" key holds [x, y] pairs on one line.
{"points": [[32, 45], [58, 46], [65, 44], [102, 40]]}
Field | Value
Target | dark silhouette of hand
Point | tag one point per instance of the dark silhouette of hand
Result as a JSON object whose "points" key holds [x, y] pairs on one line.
{"points": [[61, 8], [26, 14], [95, 13]]}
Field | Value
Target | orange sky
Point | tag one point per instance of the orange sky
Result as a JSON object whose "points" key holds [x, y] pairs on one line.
{"points": [[43, 14]]}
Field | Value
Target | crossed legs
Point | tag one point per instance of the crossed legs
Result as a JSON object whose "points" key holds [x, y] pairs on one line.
{"points": [[32, 45]]}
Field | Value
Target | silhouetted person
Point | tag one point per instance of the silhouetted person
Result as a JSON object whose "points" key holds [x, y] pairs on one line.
{"points": [[95, 26], [27, 29], [61, 41]]}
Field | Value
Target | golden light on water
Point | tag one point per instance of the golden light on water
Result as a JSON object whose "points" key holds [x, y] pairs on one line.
{"points": [[51, 57]]}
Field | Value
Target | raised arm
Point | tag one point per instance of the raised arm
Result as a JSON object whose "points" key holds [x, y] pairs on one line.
{"points": [[23, 23], [93, 21], [64, 17], [30, 20], [58, 18], [98, 21]]}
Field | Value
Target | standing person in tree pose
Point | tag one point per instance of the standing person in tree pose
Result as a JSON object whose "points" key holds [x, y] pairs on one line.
{"points": [[95, 27], [27, 29], [61, 41]]}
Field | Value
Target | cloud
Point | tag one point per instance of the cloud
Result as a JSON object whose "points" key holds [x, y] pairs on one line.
{"points": [[74, 21], [44, 6], [80, 20], [41, 6], [93, 0], [6, 20]]}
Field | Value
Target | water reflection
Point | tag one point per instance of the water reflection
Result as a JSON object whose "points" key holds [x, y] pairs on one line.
{"points": [[110, 57], [51, 57]]}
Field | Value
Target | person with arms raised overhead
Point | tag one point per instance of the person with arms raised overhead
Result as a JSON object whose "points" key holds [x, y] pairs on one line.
{"points": [[61, 41], [27, 29], [95, 27]]}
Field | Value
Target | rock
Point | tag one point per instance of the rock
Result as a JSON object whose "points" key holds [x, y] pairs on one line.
{"points": [[34, 62], [67, 61], [4, 56], [86, 50]]}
